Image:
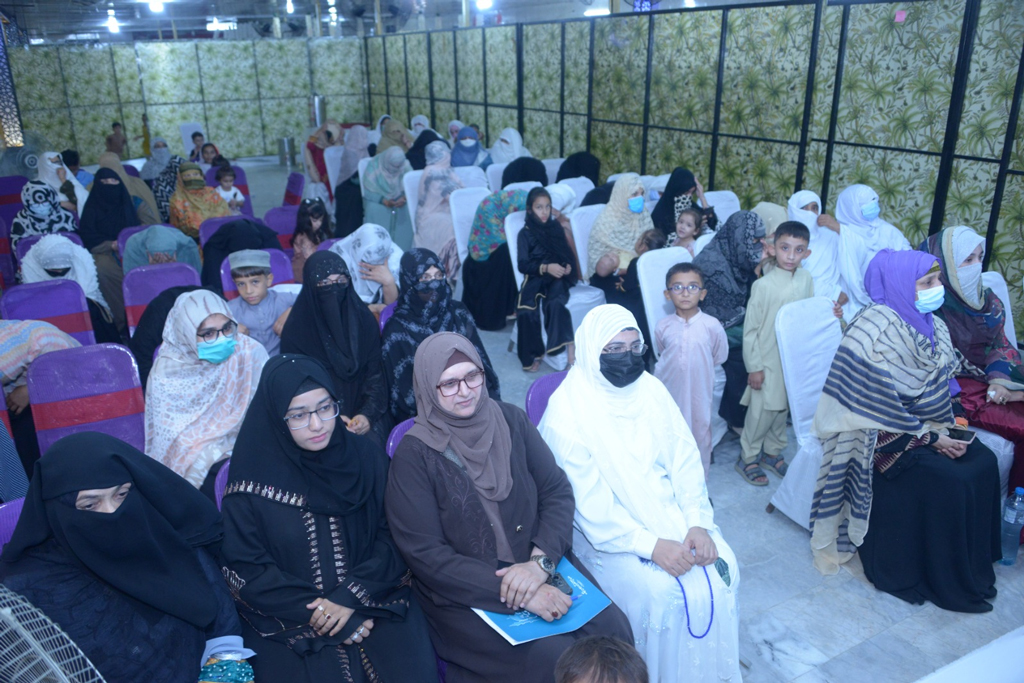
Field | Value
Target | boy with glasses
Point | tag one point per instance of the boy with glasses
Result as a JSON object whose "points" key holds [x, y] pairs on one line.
{"points": [[692, 344]]}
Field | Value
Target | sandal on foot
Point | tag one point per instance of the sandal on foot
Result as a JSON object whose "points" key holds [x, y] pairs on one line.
{"points": [[533, 368], [752, 473], [775, 463]]}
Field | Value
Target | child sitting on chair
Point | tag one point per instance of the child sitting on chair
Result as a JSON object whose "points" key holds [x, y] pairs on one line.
{"points": [[689, 226], [692, 345], [227, 190], [259, 311]]}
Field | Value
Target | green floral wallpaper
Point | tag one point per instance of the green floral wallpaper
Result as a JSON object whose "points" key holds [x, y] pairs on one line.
{"points": [[126, 69], [89, 75], [756, 171], [542, 76], [170, 72], [501, 65], [228, 70], [54, 125], [375, 56], [394, 51], [814, 173], [541, 133], [236, 129], [1008, 254], [617, 146], [825, 72], [91, 127], [577, 65], [620, 67], [575, 138], [474, 113], [442, 64], [288, 117], [445, 112], [470, 56], [763, 88], [667, 149], [338, 67], [684, 72], [417, 64], [419, 106], [283, 68], [37, 77], [500, 118], [969, 200], [1017, 159], [164, 120]]}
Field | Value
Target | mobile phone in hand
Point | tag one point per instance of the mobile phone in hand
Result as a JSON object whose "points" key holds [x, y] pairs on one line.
{"points": [[964, 435]]}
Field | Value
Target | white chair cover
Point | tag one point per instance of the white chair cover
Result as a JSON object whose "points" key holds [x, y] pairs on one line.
{"points": [[411, 184], [332, 159], [582, 221], [808, 336], [726, 203], [552, 166], [463, 204], [581, 186], [995, 281], [1004, 455], [702, 242], [471, 176], [525, 185], [659, 183], [363, 163], [494, 172], [614, 176], [651, 270]]}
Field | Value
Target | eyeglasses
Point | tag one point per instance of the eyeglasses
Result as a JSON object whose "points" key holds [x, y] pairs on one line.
{"points": [[692, 288], [431, 278], [301, 420], [334, 279], [211, 335], [638, 348], [451, 387]]}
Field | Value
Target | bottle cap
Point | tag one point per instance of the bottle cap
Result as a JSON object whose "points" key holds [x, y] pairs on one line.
{"points": [[1019, 491]]}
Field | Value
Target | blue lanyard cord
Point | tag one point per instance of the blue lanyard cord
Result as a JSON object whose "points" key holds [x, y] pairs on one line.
{"points": [[686, 606]]}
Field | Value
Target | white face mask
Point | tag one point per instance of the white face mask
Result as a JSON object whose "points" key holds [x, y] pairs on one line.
{"points": [[468, 142], [970, 279]]}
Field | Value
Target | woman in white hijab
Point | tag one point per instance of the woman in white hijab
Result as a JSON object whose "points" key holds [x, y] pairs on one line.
{"points": [[823, 263], [509, 147], [376, 133], [373, 262], [434, 228], [644, 525], [54, 173], [419, 124], [862, 234], [454, 126]]}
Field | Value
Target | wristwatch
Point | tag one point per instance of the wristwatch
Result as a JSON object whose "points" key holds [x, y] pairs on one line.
{"points": [[545, 563]]}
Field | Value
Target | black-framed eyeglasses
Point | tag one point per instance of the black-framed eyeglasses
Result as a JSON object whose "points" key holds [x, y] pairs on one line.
{"points": [[679, 288], [300, 420], [638, 348], [211, 335], [451, 387], [333, 279]]}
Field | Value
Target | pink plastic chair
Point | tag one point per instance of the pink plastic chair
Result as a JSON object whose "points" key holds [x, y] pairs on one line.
{"points": [[293, 191], [280, 266], [396, 435], [210, 226], [221, 482], [26, 243], [281, 219], [90, 388], [9, 513], [388, 311], [539, 393], [131, 170], [142, 284], [58, 302], [122, 237]]}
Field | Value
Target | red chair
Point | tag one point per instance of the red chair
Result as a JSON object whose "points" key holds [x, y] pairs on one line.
{"points": [[9, 513], [396, 435], [539, 393], [91, 388], [142, 284], [221, 482], [282, 219], [280, 266], [293, 191], [131, 170], [58, 302], [210, 226], [26, 243]]}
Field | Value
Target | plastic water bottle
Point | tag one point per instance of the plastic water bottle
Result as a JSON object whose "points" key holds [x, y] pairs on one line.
{"points": [[1013, 521]]}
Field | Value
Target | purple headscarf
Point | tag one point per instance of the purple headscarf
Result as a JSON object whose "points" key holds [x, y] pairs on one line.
{"points": [[890, 280], [463, 155]]}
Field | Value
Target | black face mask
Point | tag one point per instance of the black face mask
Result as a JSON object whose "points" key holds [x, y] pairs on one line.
{"points": [[429, 291], [57, 272], [622, 369]]}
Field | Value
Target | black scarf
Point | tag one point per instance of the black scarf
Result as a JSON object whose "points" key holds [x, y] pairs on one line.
{"points": [[229, 238], [524, 170], [144, 549], [108, 211], [580, 165], [417, 154], [601, 194], [664, 214], [551, 236]]}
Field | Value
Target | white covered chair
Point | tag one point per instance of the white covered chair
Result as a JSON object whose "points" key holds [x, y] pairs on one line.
{"points": [[411, 185], [526, 185], [725, 203], [582, 297], [995, 281], [582, 221], [332, 160], [552, 166], [650, 271], [363, 163], [581, 186], [615, 176], [494, 172], [471, 176], [463, 204], [702, 242]]}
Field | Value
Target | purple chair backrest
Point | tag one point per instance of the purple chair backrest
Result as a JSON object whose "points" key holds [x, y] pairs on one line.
{"points": [[221, 482], [26, 243], [293, 191], [280, 266], [281, 219], [210, 226], [396, 435], [388, 311], [10, 196], [9, 513], [539, 393], [58, 302], [6, 258], [326, 244], [131, 170], [122, 237], [90, 388], [142, 284]]}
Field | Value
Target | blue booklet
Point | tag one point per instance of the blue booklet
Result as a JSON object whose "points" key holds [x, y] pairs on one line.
{"points": [[523, 626]]}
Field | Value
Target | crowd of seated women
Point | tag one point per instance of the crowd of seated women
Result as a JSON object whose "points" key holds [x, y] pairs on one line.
{"points": [[330, 560]]}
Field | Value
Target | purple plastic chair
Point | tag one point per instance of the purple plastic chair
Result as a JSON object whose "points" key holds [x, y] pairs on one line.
{"points": [[6, 259], [293, 191], [326, 244], [9, 513], [26, 243], [396, 435], [131, 170], [539, 393], [211, 225], [90, 388], [281, 219], [142, 284], [221, 482], [280, 266], [10, 205], [58, 302], [388, 311], [240, 182], [122, 237]]}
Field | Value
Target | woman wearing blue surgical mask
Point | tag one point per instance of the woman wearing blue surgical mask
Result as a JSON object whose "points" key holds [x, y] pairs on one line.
{"points": [[41, 213], [202, 381], [613, 239], [862, 234]]}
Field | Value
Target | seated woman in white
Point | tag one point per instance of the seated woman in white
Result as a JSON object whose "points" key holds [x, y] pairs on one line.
{"points": [[643, 524]]}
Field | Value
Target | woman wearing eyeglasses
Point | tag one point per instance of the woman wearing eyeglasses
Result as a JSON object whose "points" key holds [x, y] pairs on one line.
{"points": [[644, 524], [321, 589], [482, 515], [201, 382], [425, 307]]}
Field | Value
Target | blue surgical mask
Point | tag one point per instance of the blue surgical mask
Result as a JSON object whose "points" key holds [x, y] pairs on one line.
{"points": [[870, 210], [41, 210], [218, 350], [636, 204], [929, 300]]}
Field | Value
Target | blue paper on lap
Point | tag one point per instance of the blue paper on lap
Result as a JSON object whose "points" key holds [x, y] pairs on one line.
{"points": [[523, 626]]}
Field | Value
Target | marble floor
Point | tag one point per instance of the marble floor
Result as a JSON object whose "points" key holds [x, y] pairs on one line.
{"points": [[795, 624]]}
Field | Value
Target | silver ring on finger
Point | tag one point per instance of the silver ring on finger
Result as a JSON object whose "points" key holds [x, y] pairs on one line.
{"points": [[361, 630]]}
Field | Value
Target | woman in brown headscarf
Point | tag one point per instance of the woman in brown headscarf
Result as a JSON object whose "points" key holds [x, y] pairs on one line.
{"points": [[481, 513], [394, 133], [193, 202]]}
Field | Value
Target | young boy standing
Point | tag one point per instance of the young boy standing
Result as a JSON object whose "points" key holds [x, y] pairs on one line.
{"points": [[692, 344], [768, 406], [259, 311]]}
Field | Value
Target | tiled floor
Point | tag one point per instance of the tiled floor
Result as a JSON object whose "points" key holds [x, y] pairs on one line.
{"points": [[795, 624]]}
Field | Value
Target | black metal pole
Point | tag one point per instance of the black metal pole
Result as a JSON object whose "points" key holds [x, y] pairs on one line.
{"points": [[430, 78], [590, 84], [519, 75], [1004, 161], [561, 100], [647, 93], [718, 98], [834, 116], [812, 65]]}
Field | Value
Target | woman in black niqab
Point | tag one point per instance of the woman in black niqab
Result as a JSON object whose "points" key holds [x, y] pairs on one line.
{"points": [[580, 165], [108, 211], [417, 154]]}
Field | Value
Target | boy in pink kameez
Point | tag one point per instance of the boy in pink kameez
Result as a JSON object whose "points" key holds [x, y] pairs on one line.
{"points": [[692, 344]]}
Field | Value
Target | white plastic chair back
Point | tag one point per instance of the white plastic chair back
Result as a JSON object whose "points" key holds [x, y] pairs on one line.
{"points": [[651, 270], [995, 281], [525, 185], [614, 176], [514, 222], [552, 166], [702, 242], [471, 176], [363, 163], [808, 335], [463, 204], [494, 172], [411, 185], [659, 183], [726, 203], [581, 186], [582, 221], [332, 160]]}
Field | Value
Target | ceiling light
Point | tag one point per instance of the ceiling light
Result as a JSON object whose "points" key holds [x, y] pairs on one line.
{"points": [[289, 7], [483, 5], [330, 3], [156, 6], [599, 12], [112, 24]]}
